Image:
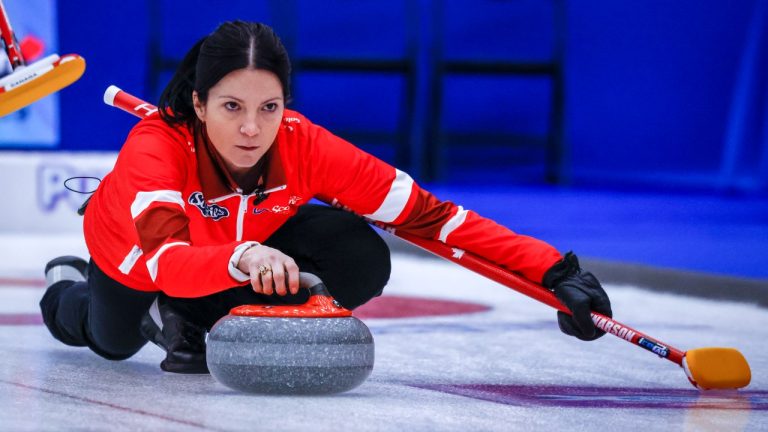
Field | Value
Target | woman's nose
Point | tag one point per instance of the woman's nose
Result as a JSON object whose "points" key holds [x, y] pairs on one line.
{"points": [[250, 129]]}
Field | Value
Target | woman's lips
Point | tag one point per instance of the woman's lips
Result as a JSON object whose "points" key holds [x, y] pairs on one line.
{"points": [[248, 148]]}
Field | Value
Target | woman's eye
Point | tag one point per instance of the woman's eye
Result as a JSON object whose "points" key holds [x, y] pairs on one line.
{"points": [[231, 106], [270, 107]]}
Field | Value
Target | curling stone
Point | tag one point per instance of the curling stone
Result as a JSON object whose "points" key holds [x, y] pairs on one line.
{"points": [[314, 348]]}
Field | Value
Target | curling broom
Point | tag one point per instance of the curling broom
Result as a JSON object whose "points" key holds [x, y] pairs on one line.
{"points": [[706, 368], [28, 83]]}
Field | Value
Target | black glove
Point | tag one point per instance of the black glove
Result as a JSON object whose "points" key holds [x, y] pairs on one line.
{"points": [[580, 292]]}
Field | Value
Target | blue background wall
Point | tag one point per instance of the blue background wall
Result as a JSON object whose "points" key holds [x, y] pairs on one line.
{"points": [[664, 107], [649, 86]]}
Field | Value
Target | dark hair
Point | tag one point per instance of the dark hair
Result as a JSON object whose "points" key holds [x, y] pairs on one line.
{"points": [[233, 45]]}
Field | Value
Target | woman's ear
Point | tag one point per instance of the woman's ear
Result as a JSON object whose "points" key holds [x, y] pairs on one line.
{"points": [[199, 107]]}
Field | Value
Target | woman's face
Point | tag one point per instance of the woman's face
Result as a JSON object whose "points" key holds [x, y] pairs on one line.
{"points": [[242, 115]]}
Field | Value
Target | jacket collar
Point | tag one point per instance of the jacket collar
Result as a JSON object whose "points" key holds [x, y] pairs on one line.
{"points": [[215, 179]]}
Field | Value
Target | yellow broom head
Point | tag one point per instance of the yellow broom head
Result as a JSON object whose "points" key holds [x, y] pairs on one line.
{"points": [[717, 368], [27, 84]]}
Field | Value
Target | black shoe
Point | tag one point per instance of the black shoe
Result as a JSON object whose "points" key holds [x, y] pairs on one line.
{"points": [[65, 268], [182, 340], [60, 275]]}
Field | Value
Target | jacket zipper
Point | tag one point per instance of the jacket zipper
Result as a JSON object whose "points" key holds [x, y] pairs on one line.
{"points": [[242, 208], [241, 214]]}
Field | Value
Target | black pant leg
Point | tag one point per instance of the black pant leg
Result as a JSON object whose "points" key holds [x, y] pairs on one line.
{"points": [[114, 316], [64, 308], [339, 247], [100, 313]]}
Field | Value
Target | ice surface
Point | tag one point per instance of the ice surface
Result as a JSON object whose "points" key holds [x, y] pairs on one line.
{"points": [[508, 368]]}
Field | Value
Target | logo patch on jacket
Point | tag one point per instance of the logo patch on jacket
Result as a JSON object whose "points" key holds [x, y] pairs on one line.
{"points": [[212, 211]]}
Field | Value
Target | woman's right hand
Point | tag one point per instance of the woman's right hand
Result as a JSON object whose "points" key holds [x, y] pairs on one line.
{"points": [[271, 271]]}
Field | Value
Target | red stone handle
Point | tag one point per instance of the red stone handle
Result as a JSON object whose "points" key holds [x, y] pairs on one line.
{"points": [[319, 305]]}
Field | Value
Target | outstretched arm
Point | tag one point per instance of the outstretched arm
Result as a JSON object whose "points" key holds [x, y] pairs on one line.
{"points": [[378, 191]]}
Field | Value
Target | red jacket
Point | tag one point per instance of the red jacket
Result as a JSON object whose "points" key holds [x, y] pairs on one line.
{"points": [[168, 217]]}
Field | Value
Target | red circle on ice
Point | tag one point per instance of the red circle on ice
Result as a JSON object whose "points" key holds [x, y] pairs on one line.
{"points": [[387, 306]]}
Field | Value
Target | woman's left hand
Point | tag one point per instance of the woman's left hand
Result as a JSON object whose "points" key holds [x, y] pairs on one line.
{"points": [[582, 293]]}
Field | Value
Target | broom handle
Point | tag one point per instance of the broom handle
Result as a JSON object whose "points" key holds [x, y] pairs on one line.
{"points": [[518, 283], [131, 104], [13, 51]]}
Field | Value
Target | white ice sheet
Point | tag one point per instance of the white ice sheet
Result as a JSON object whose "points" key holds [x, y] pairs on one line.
{"points": [[539, 378]]}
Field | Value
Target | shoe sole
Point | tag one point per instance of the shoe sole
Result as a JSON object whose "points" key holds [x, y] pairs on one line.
{"points": [[78, 263], [184, 368]]}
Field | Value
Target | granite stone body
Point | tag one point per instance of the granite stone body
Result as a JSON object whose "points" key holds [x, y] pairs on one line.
{"points": [[290, 355]]}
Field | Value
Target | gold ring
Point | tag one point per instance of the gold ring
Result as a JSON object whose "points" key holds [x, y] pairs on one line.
{"points": [[264, 269]]}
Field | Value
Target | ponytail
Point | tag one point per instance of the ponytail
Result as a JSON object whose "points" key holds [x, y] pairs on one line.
{"points": [[175, 105]]}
